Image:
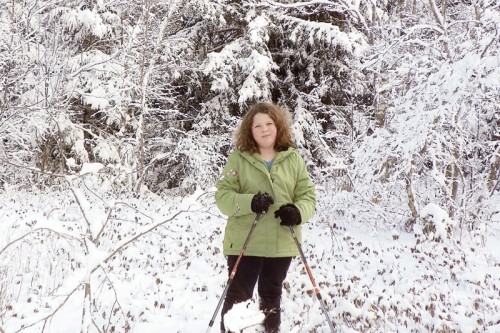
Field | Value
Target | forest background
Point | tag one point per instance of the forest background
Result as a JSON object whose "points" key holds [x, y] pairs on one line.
{"points": [[395, 107]]}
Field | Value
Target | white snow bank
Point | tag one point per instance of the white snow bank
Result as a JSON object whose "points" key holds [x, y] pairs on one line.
{"points": [[243, 315]]}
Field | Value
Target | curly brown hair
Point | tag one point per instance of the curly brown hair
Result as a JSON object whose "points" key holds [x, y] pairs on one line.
{"points": [[244, 137]]}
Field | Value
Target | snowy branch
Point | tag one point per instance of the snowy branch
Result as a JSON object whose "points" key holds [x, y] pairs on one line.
{"points": [[89, 66], [146, 230], [50, 230], [437, 14], [493, 40], [52, 314], [37, 170], [84, 208], [301, 4]]}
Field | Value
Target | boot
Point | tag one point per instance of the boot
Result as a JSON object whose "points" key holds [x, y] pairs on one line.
{"points": [[272, 320]]}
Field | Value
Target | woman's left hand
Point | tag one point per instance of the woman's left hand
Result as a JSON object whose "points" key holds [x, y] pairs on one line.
{"points": [[289, 215]]}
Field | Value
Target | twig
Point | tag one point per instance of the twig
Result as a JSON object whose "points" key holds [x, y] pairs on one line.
{"points": [[490, 43], [89, 226], [97, 327], [137, 210], [134, 238], [53, 313], [116, 300], [31, 232], [32, 169], [103, 226]]}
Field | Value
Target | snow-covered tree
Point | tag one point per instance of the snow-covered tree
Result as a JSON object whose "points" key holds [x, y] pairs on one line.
{"points": [[435, 141], [305, 57]]}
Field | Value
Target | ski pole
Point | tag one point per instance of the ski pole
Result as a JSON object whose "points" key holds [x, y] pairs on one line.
{"points": [[233, 272], [316, 289]]}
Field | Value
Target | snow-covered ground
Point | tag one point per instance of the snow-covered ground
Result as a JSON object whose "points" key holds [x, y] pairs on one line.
{"points": [[155, 265]]}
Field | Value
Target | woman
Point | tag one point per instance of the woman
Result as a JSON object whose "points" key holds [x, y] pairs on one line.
{"points": [[264, 174]]}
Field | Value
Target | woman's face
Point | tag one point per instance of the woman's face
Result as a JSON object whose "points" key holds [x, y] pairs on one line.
{"points": [[264, 131]]}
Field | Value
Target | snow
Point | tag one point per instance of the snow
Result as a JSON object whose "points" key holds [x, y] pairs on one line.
{"points": [[256, 28], [439, 217], [243, 315], [91, 168], [158, 267], [154, 262]]}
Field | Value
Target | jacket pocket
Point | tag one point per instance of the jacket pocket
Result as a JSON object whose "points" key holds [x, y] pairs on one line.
{"points": [[286, 243]]}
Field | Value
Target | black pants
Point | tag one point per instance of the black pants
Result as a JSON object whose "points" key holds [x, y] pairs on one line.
{"points": [[270, 274]]}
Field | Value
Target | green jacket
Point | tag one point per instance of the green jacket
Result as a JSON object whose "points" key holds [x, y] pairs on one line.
{"points": [[287, 182]]}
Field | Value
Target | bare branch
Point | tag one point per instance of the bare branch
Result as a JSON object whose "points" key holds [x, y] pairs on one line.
{"points": [[37, 170], [98, 236], [116, 300], [38, 229], [139, 235], [301, 4], [47, 317], [494, 39], [437, 15], [89, 66], [87, 220]]}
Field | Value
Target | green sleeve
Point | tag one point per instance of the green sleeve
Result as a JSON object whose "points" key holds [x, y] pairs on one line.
{"points": [[304, 193], [228, 198]]}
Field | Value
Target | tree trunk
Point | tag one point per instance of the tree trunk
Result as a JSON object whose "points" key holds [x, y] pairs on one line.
{"points": [[454, 189], [141, 157], [411, 197], [439, 18], [493, 175], [86, 320], [374, 21], [143, 85]]}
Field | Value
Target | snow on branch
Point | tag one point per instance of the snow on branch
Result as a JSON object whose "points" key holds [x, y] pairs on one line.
{"points": [[301, 4], [437, 14], [103, 249], [257, 29], [315, 33], [258, 68], [82, 21], [51, 314], [42, 227]]}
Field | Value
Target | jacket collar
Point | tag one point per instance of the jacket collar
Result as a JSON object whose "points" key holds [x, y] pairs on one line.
{"points": [[255, 157]]}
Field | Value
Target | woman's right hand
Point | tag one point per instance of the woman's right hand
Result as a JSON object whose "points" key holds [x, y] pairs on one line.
{"points": [[261, 202]]}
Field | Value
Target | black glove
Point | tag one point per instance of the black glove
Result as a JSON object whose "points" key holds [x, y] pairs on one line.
{"points": [[261, 202], [289, 215]]}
